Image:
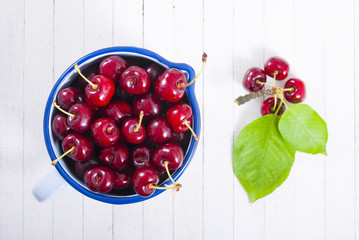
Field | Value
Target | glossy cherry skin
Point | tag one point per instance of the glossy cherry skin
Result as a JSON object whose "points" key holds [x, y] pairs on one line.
{"points": [[117, 156], [298, 94], [170, 152], [121, 94], [148, 103], [141, 157], [102, 95], [159, 130], [100, 179], [60, 127], [128, 130], [117, 111], [83, 117], [112, 67], [81, 168], [143, 178], [68, 97], [105, 132], [154, 71], [168, 85], [177, 114], [279, 65], [268, 104], [135, 80], [251, 77], [83, 147], [123, 180]]}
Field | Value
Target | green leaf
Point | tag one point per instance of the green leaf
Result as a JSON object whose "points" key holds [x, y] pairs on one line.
{"points": [[303, 129], [261, 158]]}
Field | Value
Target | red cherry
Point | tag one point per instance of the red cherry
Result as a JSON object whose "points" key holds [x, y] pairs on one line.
{"points": [[83, 147], [143, 179], [296, 93], [81, 117], [130, 131], [118, 111], [177, 114], [117, 156], [159, 130], [170, 85], [60, 127], [154, 71], [170, 152], [100, 179], [268, 104], [105, 132], [101, 92], [141, 157], [135, 80], [81, 168], [123, 180], [251, 78], [148, 103], [112, 67], [276, 66], [68, 97]]}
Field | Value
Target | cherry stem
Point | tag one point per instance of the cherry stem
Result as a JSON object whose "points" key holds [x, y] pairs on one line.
{"points": [[53, 163], [288, 89], [62, 110], [189, 127], [139, 123], [280, 105], [274, 76], [264, 83], [175, 187], [275, 102], [204, 61], [94, 86], [168, 172], [281, 98]]}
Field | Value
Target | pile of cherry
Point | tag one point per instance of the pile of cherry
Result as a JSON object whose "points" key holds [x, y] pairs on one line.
{"points": [[278, 69], [124, 127]]}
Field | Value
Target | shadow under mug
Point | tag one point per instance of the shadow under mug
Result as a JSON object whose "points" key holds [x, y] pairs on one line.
{"points": [[60, 177]]}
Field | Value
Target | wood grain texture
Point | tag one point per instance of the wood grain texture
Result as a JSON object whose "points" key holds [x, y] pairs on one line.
{"points": [[339, 165], [12, 201], [68, 39], [188, 204], [35, 96], [218, 121], [309, 169]]}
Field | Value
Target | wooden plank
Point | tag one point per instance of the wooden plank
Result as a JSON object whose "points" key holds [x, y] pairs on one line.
{"points": [[339, 165], [309, 169], [12, 103], [68, 46], [98, 33], [128, 219], [36, 90], [356, 113], [218, 121], [249, 52], [278, 41], [158, 37], [188, 205]]}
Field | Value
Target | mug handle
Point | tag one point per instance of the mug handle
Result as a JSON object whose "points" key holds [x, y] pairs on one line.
{"points": [[49, 185]]}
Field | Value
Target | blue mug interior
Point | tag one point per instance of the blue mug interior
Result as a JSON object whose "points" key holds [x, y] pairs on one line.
{"points": [[53, 145]]}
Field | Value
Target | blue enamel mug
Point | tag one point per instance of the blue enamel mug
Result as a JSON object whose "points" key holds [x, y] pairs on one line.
{"points": [[61, 176]]}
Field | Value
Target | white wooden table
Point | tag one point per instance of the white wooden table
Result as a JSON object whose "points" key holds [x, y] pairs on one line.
{"points": [[39, 39]]}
